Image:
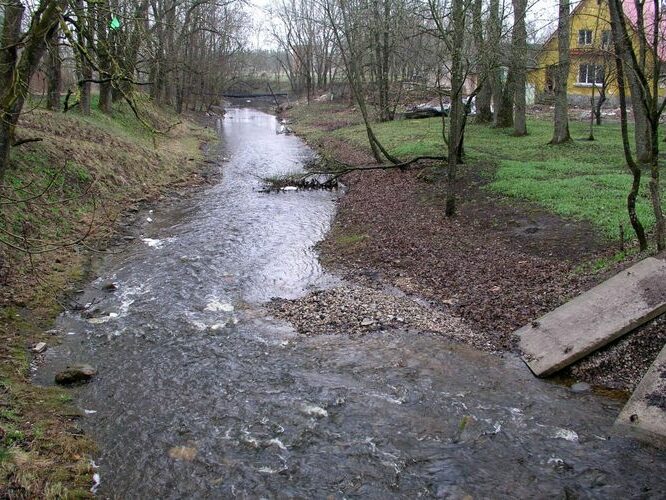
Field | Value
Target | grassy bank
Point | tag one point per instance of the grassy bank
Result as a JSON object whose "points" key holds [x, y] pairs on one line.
{"points": [[583, 180], [75, 182]]}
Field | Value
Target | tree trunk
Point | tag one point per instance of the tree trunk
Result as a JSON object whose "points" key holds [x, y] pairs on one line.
{"points": [[84, 72], [484, 113], [483, 109], [519, 53], [620, 49], [642, 134], [561, 118], [6, 140], [504, 116], [495, 72], [600, 102], [655, 194], [15, 73], [456, 114], [103, 50], [53, 74]]}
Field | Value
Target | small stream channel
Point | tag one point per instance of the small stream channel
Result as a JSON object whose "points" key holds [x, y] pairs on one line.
{"points": [[200, 394]]}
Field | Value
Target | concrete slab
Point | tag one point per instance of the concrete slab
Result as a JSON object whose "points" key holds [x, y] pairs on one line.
{"points": [[595, 318], [644, 415]]}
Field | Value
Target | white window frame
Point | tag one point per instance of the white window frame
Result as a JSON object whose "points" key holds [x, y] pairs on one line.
{"points": [[587, 82], [587, 36]]}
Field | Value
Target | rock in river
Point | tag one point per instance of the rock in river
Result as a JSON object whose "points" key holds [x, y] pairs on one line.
{"points": [[581, 387], [75, 374]]}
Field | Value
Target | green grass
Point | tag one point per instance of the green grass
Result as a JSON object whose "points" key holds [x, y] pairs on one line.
{"points": [[583, 180], [351, 239]]}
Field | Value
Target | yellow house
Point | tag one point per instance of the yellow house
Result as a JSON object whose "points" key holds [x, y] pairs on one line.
{"points": [[591, 59]]}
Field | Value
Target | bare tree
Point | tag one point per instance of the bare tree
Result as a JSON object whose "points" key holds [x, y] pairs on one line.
{"points": [[643, 71], [18, 66], [450, 21]]}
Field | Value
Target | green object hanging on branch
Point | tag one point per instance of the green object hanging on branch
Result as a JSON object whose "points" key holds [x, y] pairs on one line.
{"points": [[114, 24]]}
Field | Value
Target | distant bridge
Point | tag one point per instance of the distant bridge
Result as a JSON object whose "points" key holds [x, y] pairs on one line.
{"points": [[254, 96]]}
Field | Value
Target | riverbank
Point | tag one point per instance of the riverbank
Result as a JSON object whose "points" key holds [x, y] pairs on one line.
{"points": [[504, 260], [79, 181]]}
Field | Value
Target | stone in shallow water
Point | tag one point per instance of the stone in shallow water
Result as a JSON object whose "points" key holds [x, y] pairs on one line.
{"points": [[40, 347], [581, 387], [109, 286], [187, 453], [75, 374]]}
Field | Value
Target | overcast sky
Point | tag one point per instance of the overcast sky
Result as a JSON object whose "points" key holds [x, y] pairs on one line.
{"points": [[542, 13]]}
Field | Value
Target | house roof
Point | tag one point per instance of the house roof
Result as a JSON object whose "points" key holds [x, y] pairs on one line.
{"points": [[629, 9]]}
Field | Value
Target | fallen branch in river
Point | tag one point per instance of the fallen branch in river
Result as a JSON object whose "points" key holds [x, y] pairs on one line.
{"points": [[328, 179]]}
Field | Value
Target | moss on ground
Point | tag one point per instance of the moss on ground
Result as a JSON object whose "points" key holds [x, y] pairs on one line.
{"points": [[86, 171]]}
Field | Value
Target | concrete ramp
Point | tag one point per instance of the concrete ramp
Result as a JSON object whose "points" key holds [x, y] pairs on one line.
{"points": [[644, 415], [595, 318]]}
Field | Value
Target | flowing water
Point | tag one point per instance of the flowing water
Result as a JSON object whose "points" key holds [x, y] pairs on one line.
{"points": [[200, 394]]}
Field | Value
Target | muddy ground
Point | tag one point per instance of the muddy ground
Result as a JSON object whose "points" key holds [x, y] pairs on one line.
{"points": [[497, 265]]}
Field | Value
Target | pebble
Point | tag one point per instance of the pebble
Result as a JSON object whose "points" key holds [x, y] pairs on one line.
{"points": [[109, 286], [579, 387], [40, 347], [185, 453]]}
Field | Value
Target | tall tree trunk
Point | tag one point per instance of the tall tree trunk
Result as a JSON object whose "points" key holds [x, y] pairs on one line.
{"points": [[15, 72], [456, 115], [504, 115], [10, 103], [53, 74], [104, 55], [620, 50], [561, 118], [83, 38], [655, 192], [493, 47], [642, 133], [518, 56], [483, 98]]}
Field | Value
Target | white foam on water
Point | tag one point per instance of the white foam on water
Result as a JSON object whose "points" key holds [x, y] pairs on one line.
{"points": [[217, 306], [277, 442], [102, 319], [314, 411], [199, 325], [153, 243], [567, 434], [388, 398], [96, 482]]}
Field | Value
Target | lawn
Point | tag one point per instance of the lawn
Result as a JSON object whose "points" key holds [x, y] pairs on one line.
{"points": [[583, 180]]}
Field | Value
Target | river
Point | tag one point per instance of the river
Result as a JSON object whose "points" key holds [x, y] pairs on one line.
{"points": [[201, 394]]}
